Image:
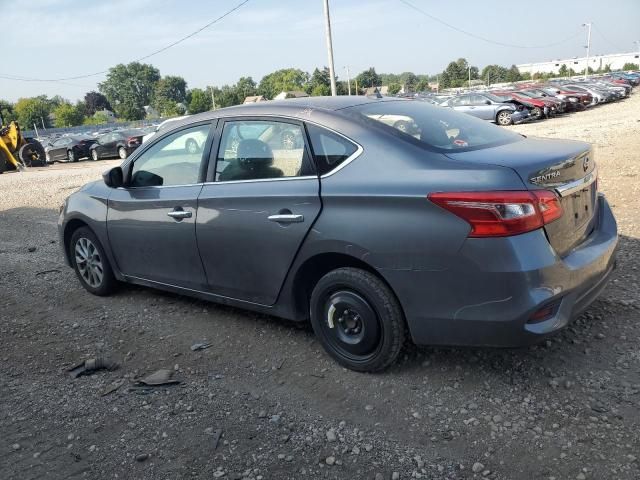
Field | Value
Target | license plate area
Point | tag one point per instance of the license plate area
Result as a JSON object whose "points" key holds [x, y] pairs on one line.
{"points": [[579, 206]]}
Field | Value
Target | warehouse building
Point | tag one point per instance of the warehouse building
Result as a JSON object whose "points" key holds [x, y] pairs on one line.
{"points": [[578, 64]]}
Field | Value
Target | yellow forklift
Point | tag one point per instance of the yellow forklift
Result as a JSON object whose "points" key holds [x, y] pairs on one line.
{"points": [[18, 152]]}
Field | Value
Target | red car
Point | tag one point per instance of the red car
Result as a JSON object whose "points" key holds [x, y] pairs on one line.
{"points": [[582, 99], [541, 108]]}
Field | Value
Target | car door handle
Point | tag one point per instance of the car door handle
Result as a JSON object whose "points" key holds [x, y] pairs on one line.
{"points": [[179, 214], [286, 218]]}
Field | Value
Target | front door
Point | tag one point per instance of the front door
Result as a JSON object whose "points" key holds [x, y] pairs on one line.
{"points": [[253, 216], [151, 222]]}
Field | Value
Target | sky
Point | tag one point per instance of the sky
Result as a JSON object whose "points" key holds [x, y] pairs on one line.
{"points": [[51, 39]]}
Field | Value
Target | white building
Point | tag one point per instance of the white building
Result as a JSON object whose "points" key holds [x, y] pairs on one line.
{"points": [[578, 64]]}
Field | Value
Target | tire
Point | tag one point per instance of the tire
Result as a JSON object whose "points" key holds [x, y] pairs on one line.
{"points": [[122, 153], [32, 154], [4, 164], [503, 118], [94, 155], [191, 146], [71, 156], [357, 319], [84, 246], [536, 112]]}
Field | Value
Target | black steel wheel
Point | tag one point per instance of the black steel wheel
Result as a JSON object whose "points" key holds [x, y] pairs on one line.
{"points": [[358, 319], [32, 154]]}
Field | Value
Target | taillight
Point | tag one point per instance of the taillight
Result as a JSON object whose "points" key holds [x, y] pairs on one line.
{"points": [[501, 213]]}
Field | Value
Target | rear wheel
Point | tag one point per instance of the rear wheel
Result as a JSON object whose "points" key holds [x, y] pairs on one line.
{"points": [[94, 155], [71, 156], [536, 112], [90, 263], [504, 118], [358, 319]]}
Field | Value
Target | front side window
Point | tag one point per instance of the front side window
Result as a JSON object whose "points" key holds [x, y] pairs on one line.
{"points": [[261, 149], [171, 161], [431, 126], [329, 149]]}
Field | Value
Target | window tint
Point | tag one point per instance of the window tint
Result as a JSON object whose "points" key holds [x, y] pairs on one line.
{"points": [[329, 149], [432, 126], [478, 100], [174, 160], [260, 149]]}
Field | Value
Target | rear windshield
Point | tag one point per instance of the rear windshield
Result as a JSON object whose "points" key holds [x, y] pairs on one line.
{"points": [[434, 127]]}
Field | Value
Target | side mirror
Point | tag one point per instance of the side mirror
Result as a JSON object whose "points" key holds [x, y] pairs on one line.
{"points": [[487, 102], [113, 178]]}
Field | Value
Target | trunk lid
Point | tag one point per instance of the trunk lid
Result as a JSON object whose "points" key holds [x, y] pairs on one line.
{"points": [[566, 167]]}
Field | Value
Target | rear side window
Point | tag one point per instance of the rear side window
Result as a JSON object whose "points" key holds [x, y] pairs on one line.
{"points": [[329, 149]]}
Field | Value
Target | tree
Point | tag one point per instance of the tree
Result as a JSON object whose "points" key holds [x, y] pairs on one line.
{"points": [[408, 80], [199, 100], [423, 85], [129, 88], [281, 81], [368, 78], [394, 88], [245, 87], [67, 115], [95, 101], [169, 92], [6, 112], [319, 78], [458, 73], [98, 118], [513, 74], [564, 71], [33, 110], [630, 66], [227, 96]]}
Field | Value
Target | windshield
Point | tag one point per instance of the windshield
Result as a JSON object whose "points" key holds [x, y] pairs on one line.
{"points": [[431, 126]]}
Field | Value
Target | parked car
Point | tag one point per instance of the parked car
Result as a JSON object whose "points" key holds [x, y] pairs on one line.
{"points": [[488, 107], [540, 108], [456, 232], [580, 100], [70, 148], [116, 144], [599, 96], [560, 105]]}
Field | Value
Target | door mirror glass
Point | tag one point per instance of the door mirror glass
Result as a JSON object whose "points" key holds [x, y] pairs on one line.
{"points": [[113, 178], [487, 102]]}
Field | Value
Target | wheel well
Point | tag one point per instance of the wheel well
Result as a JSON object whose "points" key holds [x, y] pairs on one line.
{"points": [[316, 267], [71, 227]]}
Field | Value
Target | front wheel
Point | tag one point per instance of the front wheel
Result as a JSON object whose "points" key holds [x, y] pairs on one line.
{"points": [[357, 319], [90, 263], [122, 153], [536, 112], [504, 118], [71, 156], [94, 155]]}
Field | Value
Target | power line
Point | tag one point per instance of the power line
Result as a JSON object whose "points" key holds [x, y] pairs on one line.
{"points": [[484, 39], [606, 39], [166, 47]]}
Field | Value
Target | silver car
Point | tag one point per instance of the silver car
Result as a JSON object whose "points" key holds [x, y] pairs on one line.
{"points": [[487, 107], [377, 220]]}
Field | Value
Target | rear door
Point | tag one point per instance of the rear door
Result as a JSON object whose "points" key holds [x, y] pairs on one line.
{"points": [[481, 109], [261, 198]]}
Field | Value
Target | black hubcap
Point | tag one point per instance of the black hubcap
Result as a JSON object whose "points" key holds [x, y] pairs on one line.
{"points": [[351, 324]]}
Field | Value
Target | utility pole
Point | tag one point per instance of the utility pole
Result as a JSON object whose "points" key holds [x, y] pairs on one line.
{"points": [[356, 86], [586, 69], [348, 80], [469, 76], [213, 100], [327, 23]]}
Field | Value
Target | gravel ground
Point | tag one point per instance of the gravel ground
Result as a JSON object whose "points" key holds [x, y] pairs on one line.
{"points": [[265, 402]]}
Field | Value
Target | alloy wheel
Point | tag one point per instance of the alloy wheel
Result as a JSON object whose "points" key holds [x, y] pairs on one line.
{"points": [[122, 153], [89, 262]]}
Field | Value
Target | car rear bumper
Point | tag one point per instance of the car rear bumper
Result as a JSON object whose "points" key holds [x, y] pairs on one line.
{"points": [[489, 296]]}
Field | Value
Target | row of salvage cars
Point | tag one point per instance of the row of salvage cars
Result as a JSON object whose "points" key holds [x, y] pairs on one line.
{"points": [[116, 144], [536, 101]]}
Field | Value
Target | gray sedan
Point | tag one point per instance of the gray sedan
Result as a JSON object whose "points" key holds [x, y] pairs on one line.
{"points": [[487, 107], [448, 230]]}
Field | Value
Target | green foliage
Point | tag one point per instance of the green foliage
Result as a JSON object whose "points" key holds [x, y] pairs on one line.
{"points": [[564, 71], [6, 111], [369, 78], [97, 119], [33, 110], [422, 85], [169, 92], [456, 74], [320, 91], [320, 83], [95, 101], [245, 87], [129, 88], [281, 81], [67, 115], [394, 88], [628, 66], [199, 101]]}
